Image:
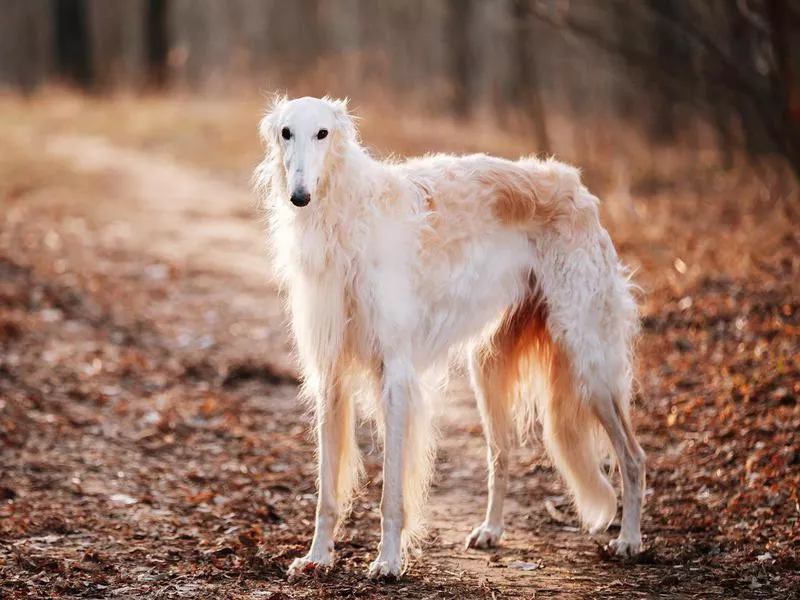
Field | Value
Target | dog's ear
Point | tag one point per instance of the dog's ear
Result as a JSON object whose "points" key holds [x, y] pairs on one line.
{"points": [[268, 127], [344, 120]]}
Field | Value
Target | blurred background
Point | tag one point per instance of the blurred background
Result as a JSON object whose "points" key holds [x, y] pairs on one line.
{"points": [[717, 75], [148, 390]]}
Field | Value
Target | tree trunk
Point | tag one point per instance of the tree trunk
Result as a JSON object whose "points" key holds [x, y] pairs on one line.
{"points": [[459, 22], [524, 92], [72, 62], [117, 33], [26, 44], [157, 42], [785, 79]]}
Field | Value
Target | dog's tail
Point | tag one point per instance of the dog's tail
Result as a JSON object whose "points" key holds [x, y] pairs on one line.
{"points": [[547, 392], [577, 445]]}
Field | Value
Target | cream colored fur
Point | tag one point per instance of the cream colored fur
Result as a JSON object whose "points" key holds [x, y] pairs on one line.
{"points": [[391, 265]]}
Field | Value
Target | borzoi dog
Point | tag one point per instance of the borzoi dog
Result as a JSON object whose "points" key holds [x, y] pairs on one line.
{"points": [[388, 266]]}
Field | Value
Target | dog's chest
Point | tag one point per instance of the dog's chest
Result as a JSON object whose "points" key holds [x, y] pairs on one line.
{"points": [[318, 249]]}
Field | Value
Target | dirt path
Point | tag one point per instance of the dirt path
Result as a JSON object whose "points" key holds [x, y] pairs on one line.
{"points": [[180, 215], [174, 211], [222, 498]]}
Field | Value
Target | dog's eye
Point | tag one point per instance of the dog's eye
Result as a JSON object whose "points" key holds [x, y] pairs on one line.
{"points": [[322, 134], [286, 133]]}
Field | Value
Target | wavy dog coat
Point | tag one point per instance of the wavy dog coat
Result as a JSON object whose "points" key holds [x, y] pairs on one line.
{"points": [[388, 266]]}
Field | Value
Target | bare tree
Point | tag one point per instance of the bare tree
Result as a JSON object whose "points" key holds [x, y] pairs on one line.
{"points": [[26, 43], [157, 42], [783, 17], [117, 43], [524, 89], [458, 32]]}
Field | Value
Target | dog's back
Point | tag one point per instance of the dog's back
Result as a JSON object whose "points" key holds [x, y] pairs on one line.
{"points": [[475, 192]]}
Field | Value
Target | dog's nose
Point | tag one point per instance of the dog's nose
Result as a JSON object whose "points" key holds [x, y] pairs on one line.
{"points": [[300, 198]]}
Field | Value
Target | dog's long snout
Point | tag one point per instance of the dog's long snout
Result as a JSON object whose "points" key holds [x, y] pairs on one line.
{"points": [[300, 197]]}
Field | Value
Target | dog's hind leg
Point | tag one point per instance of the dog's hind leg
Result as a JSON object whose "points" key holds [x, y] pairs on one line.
{"points": [[338, 463], [495, 366], [631, 461], [487, 374]]}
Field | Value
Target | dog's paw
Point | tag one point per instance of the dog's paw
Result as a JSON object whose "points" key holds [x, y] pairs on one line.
{"points": [[308, 564], [385, 568], [624, 548], [484, 536]]}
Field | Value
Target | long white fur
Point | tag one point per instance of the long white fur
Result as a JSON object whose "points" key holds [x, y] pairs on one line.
{"points": [[391, 265]]}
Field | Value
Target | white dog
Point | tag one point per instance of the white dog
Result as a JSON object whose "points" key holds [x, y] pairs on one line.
{"points": [[388, 266]]}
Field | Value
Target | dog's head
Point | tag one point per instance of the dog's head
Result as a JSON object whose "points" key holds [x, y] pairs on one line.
{"points": [[304, 137]]}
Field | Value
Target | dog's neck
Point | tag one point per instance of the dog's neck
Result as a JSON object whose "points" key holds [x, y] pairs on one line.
{"points": [[349, 185]]}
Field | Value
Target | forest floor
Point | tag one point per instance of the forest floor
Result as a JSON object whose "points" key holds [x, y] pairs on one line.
{"points": [[151, 442]]}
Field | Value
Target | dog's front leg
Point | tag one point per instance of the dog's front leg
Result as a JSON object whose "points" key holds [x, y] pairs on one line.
{"points": [[331, 421], [398, 383]]}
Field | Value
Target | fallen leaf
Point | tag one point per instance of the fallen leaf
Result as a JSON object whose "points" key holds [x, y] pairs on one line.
{"points": [[523, 566]]}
